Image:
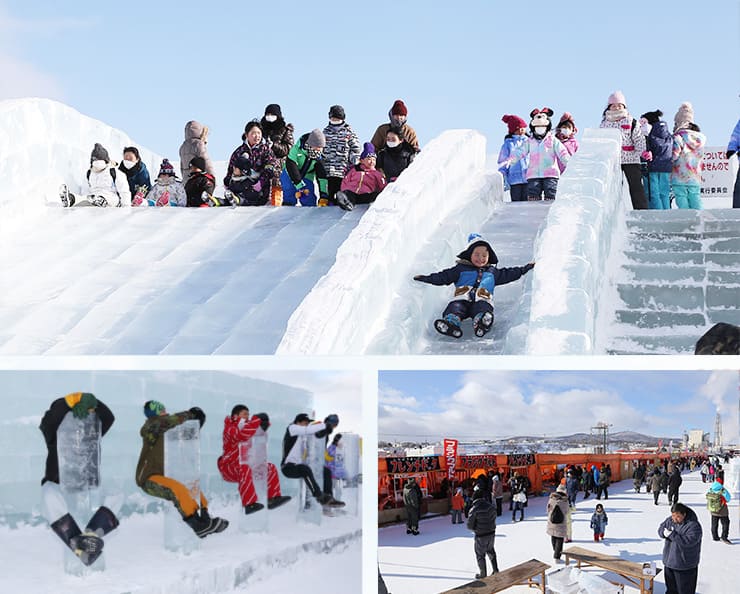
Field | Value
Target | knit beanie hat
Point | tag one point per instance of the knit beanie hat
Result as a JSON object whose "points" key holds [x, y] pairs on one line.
{"points": [[198, 163], [567, 118], [336, 111], [474, 240], [166, 168], [617, 97], [273, 109], [684, 116], [514, 123], [652, 117], [316, 139], [368, 150], [152, 408], [99, 153], [399, 108]]}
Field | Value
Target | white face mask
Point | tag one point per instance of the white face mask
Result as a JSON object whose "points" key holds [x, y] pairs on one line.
{"points": [[646, 128], [393, 143], [565, 132], [99, 165], [335, 121], [541, 130], [270, 118], [128, 164]]}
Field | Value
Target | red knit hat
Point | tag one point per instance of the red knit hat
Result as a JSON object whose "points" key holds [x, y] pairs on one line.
{"points": [[566, 117], [399, 108], [514, 123]]}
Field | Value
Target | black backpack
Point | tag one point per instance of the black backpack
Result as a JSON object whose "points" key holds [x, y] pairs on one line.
{"points": [[556, 515]]}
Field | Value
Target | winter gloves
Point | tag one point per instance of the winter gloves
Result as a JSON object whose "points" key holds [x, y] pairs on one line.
{"points": [[336, 439], [86, 403], [198, 414], [265, 420]]}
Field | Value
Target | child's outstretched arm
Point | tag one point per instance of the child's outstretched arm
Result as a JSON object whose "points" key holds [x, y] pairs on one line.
{"points": [[443, 277], [508, 275]]}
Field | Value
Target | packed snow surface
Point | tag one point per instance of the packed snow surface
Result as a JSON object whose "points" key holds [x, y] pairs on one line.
{"points": [[442, 557]]}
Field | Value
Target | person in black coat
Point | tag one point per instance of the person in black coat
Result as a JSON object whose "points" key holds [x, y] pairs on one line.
{"points": [[136, 172], [482, 521], [200, 181], [396, 156], [674, 482]]}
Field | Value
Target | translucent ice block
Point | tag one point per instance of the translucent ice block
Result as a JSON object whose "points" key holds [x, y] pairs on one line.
{"points": [[182, 463], [253, 453]]}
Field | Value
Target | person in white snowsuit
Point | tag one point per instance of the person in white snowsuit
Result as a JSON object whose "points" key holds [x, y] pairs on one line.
{"points": [[106, 186]]}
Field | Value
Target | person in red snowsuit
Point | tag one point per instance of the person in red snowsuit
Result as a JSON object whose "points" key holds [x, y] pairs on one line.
{"points": [[239, 427]]}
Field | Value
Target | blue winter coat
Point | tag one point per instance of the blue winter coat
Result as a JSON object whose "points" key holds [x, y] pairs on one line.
{"points": [[599, 522], [571, 486], [660, 143], [734, 144], [138, 175], [464, 276], [516, 173], [682, 547]]}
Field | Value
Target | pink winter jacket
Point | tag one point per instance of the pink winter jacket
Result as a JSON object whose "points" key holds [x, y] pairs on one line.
{"points": [[363, 181]]}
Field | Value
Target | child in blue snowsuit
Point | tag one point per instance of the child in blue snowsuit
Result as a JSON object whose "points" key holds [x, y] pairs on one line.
{"points": [[599, 520], [475, 276]]}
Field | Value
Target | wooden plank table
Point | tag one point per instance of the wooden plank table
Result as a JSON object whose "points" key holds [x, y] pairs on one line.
{"points": [[629, 570], [524, 573]]}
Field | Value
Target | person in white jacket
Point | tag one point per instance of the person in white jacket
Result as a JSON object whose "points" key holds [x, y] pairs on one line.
{"points": [[106, 187], [295, 447]]}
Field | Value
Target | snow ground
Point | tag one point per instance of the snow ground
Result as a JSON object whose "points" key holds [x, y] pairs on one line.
{"points": [[442, 557], [137, 562]]}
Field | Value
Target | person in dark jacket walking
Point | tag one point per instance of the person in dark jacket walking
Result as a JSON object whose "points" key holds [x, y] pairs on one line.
{"points": [[497, 492], [482, 521], [660, 145], [571, 486], [475, 276], [674, 482], [682, 535], [602, 487], [395, 156], [655, 482], [412, 502]]}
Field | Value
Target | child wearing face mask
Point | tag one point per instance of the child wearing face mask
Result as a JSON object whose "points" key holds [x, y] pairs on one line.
{"points": [[566, 133], [304, 170], [660, 145], [397, 116], [136, 173], [547, 157], [342, 149], [475, 276], [168, 190], [105, 187], [279, 135]]}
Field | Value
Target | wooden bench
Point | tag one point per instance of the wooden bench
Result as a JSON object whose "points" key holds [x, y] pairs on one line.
{"points": [[524, 573], [629, 570]]}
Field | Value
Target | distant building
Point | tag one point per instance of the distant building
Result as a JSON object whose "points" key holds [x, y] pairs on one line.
{"points": [[697, 439]]}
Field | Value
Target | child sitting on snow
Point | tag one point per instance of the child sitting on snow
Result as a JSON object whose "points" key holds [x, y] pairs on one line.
{"points": [[599, 520], [475, 275], [167, 190], [362, 183]]}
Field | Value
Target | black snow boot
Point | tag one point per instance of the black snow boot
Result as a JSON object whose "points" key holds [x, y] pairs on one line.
{"points": [[88, 547], [343, 201], [253, 507], [274, 502], [102, 522]]}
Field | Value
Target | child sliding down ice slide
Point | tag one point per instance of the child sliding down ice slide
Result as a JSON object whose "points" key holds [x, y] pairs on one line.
{"points": [[475, 276]]}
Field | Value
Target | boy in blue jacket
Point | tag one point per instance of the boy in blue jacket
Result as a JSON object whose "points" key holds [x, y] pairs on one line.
{"points": [[475, 276]]}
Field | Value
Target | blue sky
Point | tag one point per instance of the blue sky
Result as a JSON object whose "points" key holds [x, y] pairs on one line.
{"points": [[475, 404], [147, 68]]}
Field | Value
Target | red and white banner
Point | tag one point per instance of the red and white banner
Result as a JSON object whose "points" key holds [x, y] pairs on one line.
{"points": [[450, 451]]}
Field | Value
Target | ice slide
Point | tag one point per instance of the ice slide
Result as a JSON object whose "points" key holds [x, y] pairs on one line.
{"points": [[322, 281], [607, 279]]}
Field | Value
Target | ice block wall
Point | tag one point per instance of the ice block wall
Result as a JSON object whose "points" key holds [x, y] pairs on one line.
{"points": [[337, 316], [28, 394], [571, 253], [56, 145]]}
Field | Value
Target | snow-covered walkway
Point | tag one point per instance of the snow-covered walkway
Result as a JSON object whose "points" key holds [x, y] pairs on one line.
{"points": [[442, 557]]}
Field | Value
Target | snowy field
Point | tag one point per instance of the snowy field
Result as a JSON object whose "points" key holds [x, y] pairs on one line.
{"points": [[137, 562], [442, 557]]}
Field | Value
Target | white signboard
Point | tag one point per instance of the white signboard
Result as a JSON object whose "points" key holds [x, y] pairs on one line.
{"points": [[717, 178]]}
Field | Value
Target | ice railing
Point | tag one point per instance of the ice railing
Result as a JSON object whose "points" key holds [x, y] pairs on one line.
{"points": [[559, 305], [341, 312]]}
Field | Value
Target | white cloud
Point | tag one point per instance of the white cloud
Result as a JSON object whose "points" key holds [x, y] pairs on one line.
{"points": [[392, 396], [495, 405], [19, 78]]}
